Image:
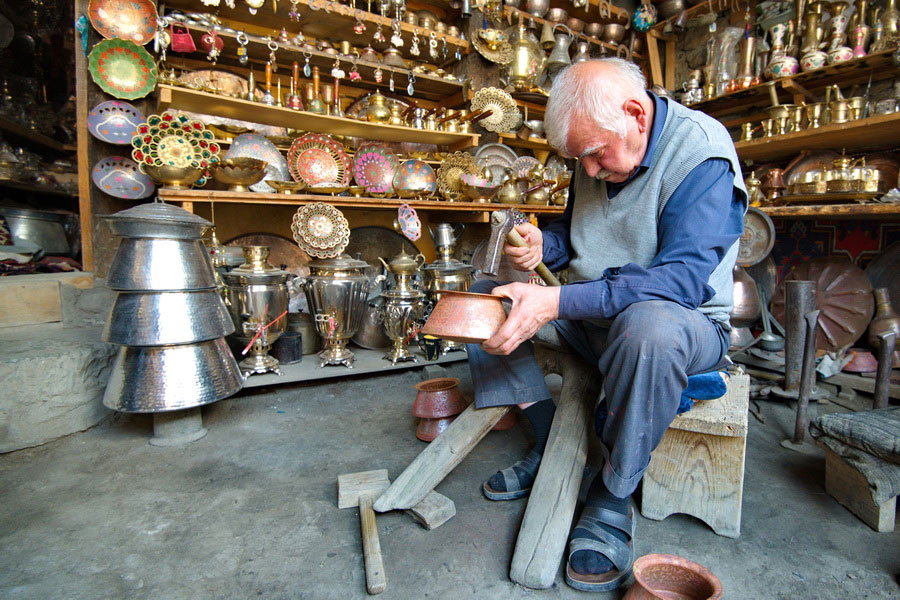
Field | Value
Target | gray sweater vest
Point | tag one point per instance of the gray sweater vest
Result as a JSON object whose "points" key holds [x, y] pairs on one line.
{"points": [[611, 233]]}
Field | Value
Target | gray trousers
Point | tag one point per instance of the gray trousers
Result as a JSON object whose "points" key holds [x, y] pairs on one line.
{"points": [[644, 354]]}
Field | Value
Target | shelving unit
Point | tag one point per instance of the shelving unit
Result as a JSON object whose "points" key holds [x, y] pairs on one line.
{"points": [[880, 131], [34, 188], [256, 112], [14, 129], [510, 139], [834, 211]]}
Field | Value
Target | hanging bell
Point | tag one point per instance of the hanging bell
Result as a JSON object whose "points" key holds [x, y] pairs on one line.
{"points": [[547, 39], [559, 56]]}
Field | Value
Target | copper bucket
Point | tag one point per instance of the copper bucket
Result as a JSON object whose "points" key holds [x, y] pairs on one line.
{"points": [[465, 317]]}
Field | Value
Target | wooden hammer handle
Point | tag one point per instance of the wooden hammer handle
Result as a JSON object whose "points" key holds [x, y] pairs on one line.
{"points": [[376, 581], [517, 240]]}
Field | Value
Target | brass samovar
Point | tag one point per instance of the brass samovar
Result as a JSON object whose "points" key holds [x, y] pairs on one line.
{"points": [[404, 305]]}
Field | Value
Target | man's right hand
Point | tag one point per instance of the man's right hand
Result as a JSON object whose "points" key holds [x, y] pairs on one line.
{"points": [[526, 259]]}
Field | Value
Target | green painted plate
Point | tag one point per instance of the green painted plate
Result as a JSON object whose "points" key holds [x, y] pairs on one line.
{"points": [[122, 69]]}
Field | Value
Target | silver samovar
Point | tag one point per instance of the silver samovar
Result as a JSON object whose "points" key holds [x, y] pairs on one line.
{"points": [[336, 291], [404, 305], [256, 294], [446, 273]]}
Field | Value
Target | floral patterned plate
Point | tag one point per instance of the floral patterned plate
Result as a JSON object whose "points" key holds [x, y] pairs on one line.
{"points": [[316, 158], [132, 20], [374, 166], [320, 230], [172, 139], [122, 69]]}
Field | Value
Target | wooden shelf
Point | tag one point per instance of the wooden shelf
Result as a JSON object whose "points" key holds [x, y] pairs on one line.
{"points": [[695, 11], [878, 132], [35, 189], [255, 112], [190, 196], [834, 211], [336, 26], [426, 86], [590, 12], [510, 139], [857, 71], [14, 129]]}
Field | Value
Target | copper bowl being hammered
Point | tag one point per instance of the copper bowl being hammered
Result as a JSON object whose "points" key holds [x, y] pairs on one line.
{"points": [[465, 317]]}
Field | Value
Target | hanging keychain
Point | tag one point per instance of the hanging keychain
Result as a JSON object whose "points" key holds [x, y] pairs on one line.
{"points": [[378, 74], [283, 36], [359, 26], [273, 46], [391, 82], [409, 88], [396, 38], [336, 71], [254, 5], [432, 45], [307, 71], [354, 72], [212, 43], [242, 41], [414, 45], [294, 12], [444, 48], [162, 39]]}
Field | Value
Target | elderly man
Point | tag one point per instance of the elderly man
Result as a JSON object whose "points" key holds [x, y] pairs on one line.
{"points": [[649, 236]]}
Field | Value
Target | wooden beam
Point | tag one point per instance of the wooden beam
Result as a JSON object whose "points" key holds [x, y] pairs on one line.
{"points": [[670, 64], [656, 74], [85, 210]]}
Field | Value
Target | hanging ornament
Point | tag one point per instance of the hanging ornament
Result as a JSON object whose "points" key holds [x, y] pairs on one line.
{"points": [[273, 46], [336, 71], [396, 38], [283, 36], [294, 12], [378, 74], [391, 82], [213, 44], [409, 88], [242, 41], [354, 72], [432, 45], [379, 35], [414, 47], [254, 5], [444, 49], [162, 39], [359, 26], [307, 71]]}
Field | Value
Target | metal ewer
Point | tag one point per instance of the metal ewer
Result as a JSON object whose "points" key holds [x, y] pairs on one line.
{"points": [[167, 317], [256, 296], [336, 291]]}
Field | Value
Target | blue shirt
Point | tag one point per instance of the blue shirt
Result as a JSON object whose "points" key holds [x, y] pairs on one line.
{"points": [[702, 219]]}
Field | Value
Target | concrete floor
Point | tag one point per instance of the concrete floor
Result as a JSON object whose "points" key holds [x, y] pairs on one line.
{"points": [[250, 511]]}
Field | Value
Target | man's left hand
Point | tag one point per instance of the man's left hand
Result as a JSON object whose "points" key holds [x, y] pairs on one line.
{"points": [[533, 306]]}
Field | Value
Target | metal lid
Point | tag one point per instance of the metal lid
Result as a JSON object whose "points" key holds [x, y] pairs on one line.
{"points": [[256, 269], [451, 265], [407, 294], [341, 263], [56, 216], [159, 212]]}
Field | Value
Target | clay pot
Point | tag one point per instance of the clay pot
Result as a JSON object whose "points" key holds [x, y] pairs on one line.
{"points": [[429, 429], [666, 576], [507, 422], [465, 317], [438, 398]]}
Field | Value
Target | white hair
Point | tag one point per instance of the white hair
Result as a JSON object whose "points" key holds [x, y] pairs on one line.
{"points": [[597, 100]]}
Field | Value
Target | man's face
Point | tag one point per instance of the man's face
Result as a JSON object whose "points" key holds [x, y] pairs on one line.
{"points": [[603, 153]]}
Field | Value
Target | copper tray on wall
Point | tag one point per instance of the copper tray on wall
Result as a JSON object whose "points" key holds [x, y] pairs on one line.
{"points": [[843, 294]]}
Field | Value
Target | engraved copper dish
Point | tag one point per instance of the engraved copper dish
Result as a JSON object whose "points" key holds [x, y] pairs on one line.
{"points": [[758, 238], [465, 317], [504, 112], [132, 20], [316, 158], [843, 294], [320, 230]]}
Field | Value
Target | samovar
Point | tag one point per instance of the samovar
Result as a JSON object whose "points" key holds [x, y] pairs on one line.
{"points": [[336, 291], [446, 273], [256, 294], [404, 305]]}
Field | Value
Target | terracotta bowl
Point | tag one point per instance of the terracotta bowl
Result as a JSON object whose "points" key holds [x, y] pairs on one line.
{"points": [[465, 317], [429, 429], [863, 362], [438, 398], [666, 577]]}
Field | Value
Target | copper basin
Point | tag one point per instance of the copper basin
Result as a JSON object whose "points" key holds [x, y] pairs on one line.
{"points": [[438, 398], [669, 577], [465, 317]]}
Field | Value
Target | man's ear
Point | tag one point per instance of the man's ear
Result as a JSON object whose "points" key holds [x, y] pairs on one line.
{"points": [[635, 109]]}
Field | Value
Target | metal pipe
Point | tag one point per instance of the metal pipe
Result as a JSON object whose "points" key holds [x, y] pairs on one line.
{"points": [[888, 341], [807, 377], [799, 300]]}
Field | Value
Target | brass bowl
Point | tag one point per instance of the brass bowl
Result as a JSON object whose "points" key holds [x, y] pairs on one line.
{"points": [[239, 172], [481, 193], [492, 37], [557, 15], [174, 178], [594, 30], [357, 190], [414, 193], [465, 317], [286, 187], [328, 188]]}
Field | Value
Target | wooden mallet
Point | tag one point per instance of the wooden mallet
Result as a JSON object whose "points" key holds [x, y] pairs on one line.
{"points": [[361, 489]]}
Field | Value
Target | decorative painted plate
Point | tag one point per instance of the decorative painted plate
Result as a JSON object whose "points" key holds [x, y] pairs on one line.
{"points": [[316, 159], [524, 165], [320, 230], [374, 166], [253, 145], [504, 112], [410, 225], [132, 20], [120, 177], [172, 139], [415, 175], [122, 69], [114, 121]]}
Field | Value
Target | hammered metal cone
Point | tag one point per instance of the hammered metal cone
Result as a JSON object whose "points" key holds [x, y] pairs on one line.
{"points": [[158, 264], [164, 378], [165, 318]]}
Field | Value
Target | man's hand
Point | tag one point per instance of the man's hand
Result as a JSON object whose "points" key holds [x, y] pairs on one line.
{"points": [[533, 306], [526, 259]]}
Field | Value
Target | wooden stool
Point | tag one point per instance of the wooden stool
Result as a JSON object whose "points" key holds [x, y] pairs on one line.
{"points": [[851, 488], [698, 467]]}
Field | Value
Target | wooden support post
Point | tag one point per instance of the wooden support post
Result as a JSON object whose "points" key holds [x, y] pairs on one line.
{"points": [[440, 457], [551, 505], [670, 65], [656, 74]]}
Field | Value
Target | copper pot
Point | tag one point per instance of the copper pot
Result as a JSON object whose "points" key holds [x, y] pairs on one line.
{"points": [[465, 317], [664, 576], [437, 398], [429, 429]]}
